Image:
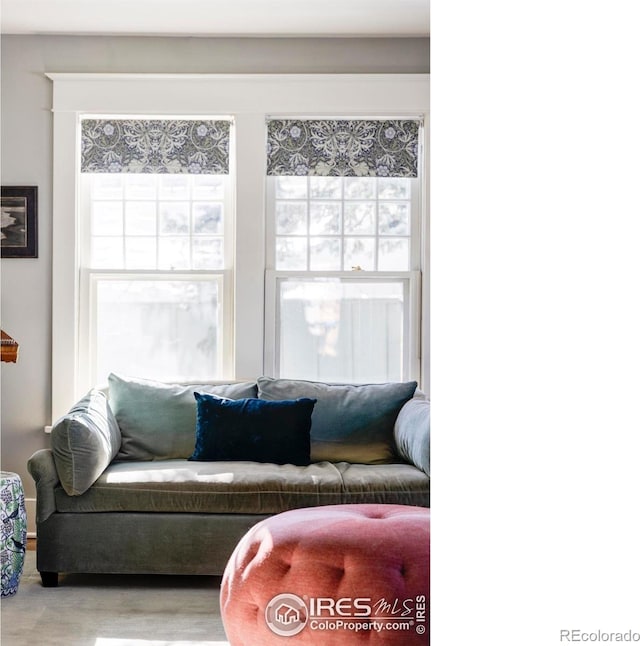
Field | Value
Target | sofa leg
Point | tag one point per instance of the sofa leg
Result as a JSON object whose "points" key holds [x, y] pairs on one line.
{"points": [[49, 579]]}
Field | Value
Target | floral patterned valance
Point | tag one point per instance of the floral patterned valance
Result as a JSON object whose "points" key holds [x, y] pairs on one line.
{"points": [[343, 147], [155, 146]]}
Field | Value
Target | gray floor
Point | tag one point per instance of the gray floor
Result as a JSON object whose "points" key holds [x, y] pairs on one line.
{"points": [[113, 610]]}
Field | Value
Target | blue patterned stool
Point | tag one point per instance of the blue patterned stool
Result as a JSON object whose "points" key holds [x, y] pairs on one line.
{"points": [[14, 531]]}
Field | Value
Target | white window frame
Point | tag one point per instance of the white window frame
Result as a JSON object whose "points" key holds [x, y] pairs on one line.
{"points": [[410, 280], [249, 99], [87, 320]]}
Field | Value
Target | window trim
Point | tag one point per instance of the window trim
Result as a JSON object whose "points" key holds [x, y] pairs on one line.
{"points": [[250, 99]]}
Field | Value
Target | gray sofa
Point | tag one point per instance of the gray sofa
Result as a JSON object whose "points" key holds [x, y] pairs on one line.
{"points": [[128, 486]]}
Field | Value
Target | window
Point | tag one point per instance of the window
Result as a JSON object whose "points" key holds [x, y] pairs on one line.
{"points": [[343, 249], [131, 272], [154, 260]]}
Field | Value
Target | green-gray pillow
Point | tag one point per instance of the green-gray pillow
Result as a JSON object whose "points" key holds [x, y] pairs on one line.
{"points": [[350, 422], [412, 432], [84, 441], [158, 420]]}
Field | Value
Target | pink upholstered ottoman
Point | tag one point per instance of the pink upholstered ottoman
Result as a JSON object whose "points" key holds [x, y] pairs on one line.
{"points": [[333, 575]]}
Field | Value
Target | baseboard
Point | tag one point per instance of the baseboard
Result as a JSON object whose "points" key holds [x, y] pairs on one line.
{"points": [[30, 506]]}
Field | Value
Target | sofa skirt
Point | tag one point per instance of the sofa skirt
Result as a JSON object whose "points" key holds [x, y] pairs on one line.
{"points": [[137, 543]]}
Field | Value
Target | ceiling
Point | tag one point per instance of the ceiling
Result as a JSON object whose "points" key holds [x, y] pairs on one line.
{"points": [[257, 18]]}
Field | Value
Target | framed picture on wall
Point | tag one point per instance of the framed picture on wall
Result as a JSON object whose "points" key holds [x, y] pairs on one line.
{"points": [[19, 226]]}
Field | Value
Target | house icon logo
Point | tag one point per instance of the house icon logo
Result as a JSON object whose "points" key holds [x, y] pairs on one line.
{"points": [[286, 615]]}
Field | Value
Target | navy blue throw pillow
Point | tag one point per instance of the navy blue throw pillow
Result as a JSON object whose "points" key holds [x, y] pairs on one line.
{"points": [[253, 429]]}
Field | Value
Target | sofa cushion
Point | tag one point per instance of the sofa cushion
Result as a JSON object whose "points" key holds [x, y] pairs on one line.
{"points": [[181, 486], [84, 442], [253, 429], [158, 420], [351, 423], [412, 432]]}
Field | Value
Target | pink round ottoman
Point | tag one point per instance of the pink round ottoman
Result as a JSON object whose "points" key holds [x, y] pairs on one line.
{"points": [[332, 575]]}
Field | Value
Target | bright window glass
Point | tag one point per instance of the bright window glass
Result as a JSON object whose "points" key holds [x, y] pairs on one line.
{"points": [[154, 275], [156, 221], [338, 224], [162, 329], [341, 329], [343, 273]]}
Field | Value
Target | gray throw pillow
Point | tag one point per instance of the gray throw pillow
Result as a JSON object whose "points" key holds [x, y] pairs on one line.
{"points": [[84, 441], [350, 422], [412, 433], [158, 420]]}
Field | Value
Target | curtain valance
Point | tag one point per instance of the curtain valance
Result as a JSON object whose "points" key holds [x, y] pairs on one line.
{"points": [[155, 146], [344, 147]]}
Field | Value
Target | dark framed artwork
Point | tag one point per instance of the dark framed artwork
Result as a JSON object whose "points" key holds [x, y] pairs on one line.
{"points": [[19, 226]]}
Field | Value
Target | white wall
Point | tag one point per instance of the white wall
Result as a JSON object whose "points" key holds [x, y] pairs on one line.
{"points": [[26, 159]]}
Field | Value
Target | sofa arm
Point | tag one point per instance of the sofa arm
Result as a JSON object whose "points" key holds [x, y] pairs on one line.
{"points": [[412, 433], [43, 470], [84, 442]]}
